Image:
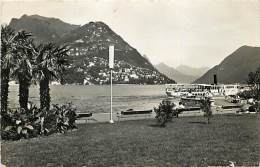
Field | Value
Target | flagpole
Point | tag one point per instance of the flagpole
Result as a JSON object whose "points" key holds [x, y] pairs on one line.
{"points": [[111, 97], [111, 66]]}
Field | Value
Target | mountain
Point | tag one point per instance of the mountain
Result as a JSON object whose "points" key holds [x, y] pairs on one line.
{"points": [[235, 67], [196, 72], [175, 74], [43, 28], [89, 51], [95, 38]]}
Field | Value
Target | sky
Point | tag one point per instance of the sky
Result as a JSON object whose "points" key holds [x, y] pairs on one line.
{"points": [[197, 33]]}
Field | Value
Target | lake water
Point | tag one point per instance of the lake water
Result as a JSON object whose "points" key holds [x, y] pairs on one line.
{"points": [[96, 99]]}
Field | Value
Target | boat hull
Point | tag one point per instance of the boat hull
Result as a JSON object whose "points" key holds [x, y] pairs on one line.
{"points": [[176, 94]]}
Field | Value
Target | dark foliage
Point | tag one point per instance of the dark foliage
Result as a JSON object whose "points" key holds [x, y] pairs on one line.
{"points": [[49, 64], [72, 76], [248, 94], [22, 69], [4, 90], [164, 112], [65, 117], [7, 61], [206, 108], [21, 123], [254, 80], [16, 62], [33, 122]]}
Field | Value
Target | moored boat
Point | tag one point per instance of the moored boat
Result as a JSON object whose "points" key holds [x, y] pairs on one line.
{"points": [[181, 90]]}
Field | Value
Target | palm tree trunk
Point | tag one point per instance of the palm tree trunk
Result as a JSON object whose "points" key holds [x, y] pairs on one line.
{"points": [[23, 91], [4, 90], [45, 98]]}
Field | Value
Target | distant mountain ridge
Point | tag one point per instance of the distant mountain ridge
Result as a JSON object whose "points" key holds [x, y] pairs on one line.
{"points": [[175, 74], [45, 29], [196, 72], [235, 67], [89, 45]]}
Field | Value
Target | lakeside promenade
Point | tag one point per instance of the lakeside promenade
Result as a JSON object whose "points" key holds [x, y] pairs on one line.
{"points": [[104, 117]]}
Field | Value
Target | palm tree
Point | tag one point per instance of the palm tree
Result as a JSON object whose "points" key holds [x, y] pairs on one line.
{"points": [[23, 67], [50, 64], [8, 61]]}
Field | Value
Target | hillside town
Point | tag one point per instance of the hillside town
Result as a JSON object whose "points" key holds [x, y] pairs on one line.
{"points": [[76, 93], [91, 69]]}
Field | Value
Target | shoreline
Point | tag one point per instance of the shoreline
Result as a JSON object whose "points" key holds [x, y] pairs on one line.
{"points": [[105, 117]]}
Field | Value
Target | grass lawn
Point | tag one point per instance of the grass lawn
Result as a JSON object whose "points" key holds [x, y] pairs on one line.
{"points": [[186, 141]]}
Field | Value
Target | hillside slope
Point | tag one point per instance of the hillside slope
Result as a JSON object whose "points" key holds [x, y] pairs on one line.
{"points": [[89, 51], [175, 74], [196, 72], [43, 28], [235, 67], [95, 38]]}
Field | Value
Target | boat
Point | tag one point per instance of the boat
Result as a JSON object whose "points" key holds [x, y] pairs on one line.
{"points": [[177, 90], [180, 90], [194, 102], [173, 93], [188, 90], [231, 90], [131, 111]]}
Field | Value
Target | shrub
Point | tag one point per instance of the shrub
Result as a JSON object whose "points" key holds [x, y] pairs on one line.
{"points": [[21, 123], [247, 94], [206, 108], [255, 107], [60, 118], [254, 81], [164, 112], [30, 123]]}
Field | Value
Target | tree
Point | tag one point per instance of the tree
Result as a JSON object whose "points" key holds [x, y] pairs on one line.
{"points": [[254, 81], [206, 108], [23, 67], [11, 42], [164, 112], [7, 61], [50, 64]]}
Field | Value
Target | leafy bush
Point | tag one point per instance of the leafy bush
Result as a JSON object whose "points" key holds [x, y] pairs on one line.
{"points": [[164, 112], [247, 94], [60, 118], [21, 123], [30, 123]]}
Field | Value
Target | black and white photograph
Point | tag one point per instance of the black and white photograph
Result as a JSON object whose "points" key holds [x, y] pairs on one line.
{"points": [[130, 83]]}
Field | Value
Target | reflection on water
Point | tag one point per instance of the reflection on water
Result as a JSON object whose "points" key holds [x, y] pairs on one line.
{"points": [[97, 98]]}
